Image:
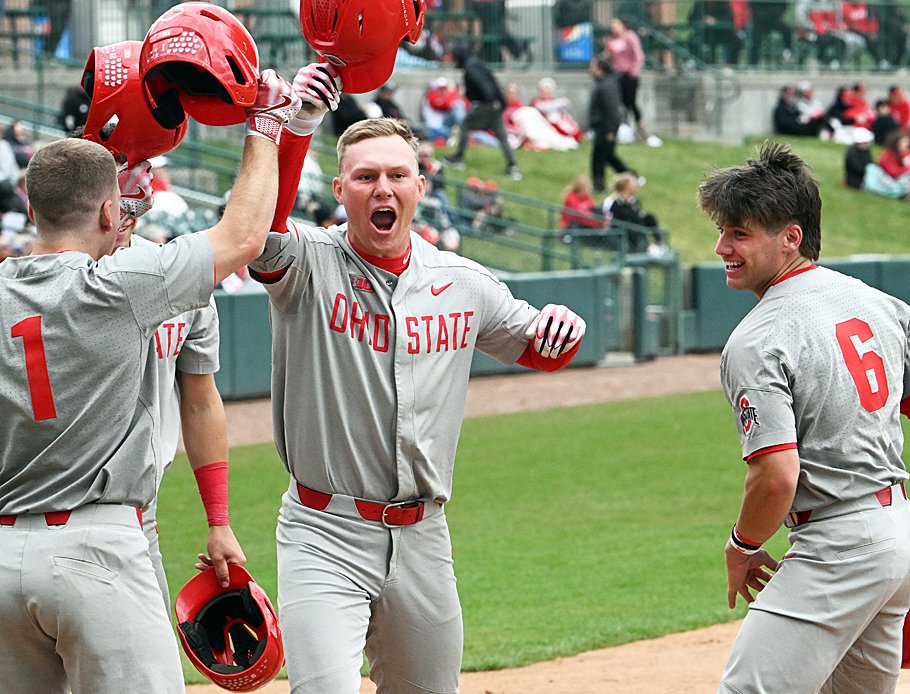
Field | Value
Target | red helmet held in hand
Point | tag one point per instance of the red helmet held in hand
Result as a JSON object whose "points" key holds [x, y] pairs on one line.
{"points": [[361, 37], [119, 117], [200, 54], [231, 635]]}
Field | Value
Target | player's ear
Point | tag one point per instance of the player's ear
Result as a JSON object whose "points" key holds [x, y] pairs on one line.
{"points": [[336, 188], [793, 235], [109, 216]]}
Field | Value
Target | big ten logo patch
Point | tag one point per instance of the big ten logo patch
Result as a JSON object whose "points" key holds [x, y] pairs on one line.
{"points": [[748, 417], [361, 284], [169, 339]]}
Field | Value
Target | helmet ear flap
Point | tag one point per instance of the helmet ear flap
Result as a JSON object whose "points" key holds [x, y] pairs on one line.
{"points": [[198, 641], [169, 112]]}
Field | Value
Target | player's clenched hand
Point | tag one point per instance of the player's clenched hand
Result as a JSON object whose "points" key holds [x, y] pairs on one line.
{"points": [[223, 549], [276, 103], [319, 87], [745, 572], [135, 190], [555, 330]]}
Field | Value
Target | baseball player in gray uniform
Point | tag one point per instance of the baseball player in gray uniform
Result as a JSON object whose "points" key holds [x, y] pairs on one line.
{"points": [[180, 382], [817, 374], [82, 610], [373, 331]]}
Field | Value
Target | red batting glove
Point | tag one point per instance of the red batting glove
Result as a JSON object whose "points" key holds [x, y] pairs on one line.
{"points": [[556, 330], [276, 103], [319, 87], [135, 190]]}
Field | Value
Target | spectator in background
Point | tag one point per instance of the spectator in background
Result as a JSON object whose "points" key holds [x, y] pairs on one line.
{"points": [[604, 115], [808, 104], [385, 106], [622, 205], [789, 120], [579, 209], [820, 23], [74, 110], [487, 104], [623, 49], [895, 157], [10, 175], [862, 29], [58, 14], [433, 170], [892, 32], [856, 158], [348, 112], [768, 19], [19, 143], [528, 128], [884, 123], [442, 109], [715, 32], [899, 105], [556, 109]]}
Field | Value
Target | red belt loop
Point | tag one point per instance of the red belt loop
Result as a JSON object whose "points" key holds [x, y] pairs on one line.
{"points": [[139, 516], [313, 499], [8, 520], [57, 517], [884, 496]]}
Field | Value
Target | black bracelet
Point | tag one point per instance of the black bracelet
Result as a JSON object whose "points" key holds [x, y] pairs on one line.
{"points": [[744, 547]]}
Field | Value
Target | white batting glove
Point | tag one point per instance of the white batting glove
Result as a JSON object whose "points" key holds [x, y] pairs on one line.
{"points": [[276, 103], [319, 87], [135, 190], [556, 330]]}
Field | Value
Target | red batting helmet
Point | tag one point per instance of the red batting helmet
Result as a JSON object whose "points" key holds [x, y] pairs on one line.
{"points": [[204, 55], [361, 37], [231, 635], [119, 117]]}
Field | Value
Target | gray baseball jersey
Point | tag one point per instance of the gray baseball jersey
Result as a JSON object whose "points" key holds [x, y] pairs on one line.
{"points": [[369, 377], [365, 361], [78, 447], [189, 343], [76, 335], [823, 361], [821, 365]]}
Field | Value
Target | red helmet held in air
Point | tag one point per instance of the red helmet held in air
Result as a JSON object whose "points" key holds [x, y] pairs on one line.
{"points": [[361, 37], [203, 55], [231, 635], [119, 118]]}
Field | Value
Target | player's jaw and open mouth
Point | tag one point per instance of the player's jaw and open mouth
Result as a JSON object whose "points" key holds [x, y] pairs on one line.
{"points": [[383, 220]]}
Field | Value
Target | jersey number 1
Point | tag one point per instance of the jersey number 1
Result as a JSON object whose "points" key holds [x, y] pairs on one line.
{"points": [[865, 366], [39, 381]]}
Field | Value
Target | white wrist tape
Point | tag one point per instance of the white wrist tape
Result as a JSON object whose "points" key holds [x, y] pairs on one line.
{"points": [[304, 126]]}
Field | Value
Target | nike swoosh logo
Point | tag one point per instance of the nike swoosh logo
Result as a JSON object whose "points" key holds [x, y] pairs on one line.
{"points": [[436, 291]]}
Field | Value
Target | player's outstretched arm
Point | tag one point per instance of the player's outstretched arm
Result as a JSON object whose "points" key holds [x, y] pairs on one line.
{"points": [[554, 337], [240, 235], [319, 88], [204, 428]]}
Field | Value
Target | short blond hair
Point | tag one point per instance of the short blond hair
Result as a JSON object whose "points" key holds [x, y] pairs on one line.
{"points": [[69, 179], [375, 127]]}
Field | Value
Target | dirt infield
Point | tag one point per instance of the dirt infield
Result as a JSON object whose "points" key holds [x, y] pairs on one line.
{"points": [[686, 663]]}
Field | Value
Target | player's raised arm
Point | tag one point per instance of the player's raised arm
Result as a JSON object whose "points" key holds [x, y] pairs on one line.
{"points": [[319, 87], [240, 235]]}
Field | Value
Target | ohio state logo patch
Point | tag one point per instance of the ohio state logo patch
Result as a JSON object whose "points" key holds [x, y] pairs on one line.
{"points": [[748, 417]]}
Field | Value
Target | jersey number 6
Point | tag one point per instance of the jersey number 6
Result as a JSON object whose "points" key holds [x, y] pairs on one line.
{"points": [[865, 366], [39, 381]]}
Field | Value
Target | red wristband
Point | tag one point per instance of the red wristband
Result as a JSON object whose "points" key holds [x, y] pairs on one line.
{"points": [[212, 480]]}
